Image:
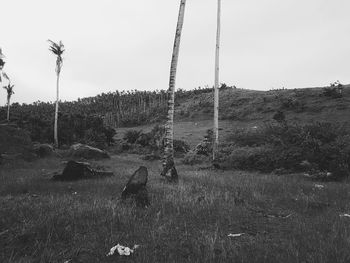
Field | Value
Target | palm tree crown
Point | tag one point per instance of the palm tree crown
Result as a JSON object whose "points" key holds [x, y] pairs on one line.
{"points": [[9, 89], [58, 50]]}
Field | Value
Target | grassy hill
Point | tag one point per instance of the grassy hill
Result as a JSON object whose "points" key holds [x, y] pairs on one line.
{"points": [[240, 108], [249, 105]]}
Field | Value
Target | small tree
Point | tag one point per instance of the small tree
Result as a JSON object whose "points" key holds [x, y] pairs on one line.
{"points": [[57, 49], [9, 89]]}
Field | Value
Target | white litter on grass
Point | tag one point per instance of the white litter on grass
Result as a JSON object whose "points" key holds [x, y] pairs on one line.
{"points": [[236, 235], [123, 251], [319, 186], [344, 215]]}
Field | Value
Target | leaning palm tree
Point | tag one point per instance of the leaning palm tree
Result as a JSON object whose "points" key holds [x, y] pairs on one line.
{"points": [[216, 87], [58, 50], [9, 89], [169, 170]]}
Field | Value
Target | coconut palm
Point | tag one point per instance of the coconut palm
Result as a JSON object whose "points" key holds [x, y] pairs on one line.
{"points": [[216, 87], [169, 170], [9, 89], [57, 49]]}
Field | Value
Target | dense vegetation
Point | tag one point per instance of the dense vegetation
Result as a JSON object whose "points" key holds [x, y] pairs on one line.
{"points": [[289, 147], [90, 120]]}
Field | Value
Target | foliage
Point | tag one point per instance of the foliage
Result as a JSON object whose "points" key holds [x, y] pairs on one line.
{"points": [[181, 146], [131, 136], [246, 158], [206, 146], [326, 146], [74, 126], [14, 140], [279, 116], [334, 90], [192, 158]]}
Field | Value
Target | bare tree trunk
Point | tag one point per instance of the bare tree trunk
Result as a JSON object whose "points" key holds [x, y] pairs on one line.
{"points": [[216, 88], [56, 113], [168, 159]]}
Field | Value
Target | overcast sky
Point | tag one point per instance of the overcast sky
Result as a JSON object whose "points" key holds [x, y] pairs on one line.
{"points": [[115, 45]]}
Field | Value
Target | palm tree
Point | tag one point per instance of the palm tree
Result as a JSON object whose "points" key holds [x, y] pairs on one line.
{"points": [[9, 89], [168, 159], [58, 50], [216, 87]]}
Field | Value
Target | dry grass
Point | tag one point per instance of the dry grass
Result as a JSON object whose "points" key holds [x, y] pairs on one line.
{"points": [[285, 219]]}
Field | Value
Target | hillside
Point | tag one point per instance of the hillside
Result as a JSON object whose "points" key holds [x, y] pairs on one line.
{"points": [[248, 105], [82, 120]]}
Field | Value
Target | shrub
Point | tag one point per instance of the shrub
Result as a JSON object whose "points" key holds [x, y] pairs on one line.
{"points": [[131, 136], [325, 146], [279, 116], [247, 158], [334, 90], [95, 138], [191, 158], [181, 146]]}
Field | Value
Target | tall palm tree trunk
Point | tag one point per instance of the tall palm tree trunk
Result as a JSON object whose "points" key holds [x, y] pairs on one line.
{"points": [[168, 159], [216, 88], [56, 112]]}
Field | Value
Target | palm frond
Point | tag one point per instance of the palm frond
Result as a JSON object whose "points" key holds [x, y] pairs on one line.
{"points": [[5, 75], [55, 48]]}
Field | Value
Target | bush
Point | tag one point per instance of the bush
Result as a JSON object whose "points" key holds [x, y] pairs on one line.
{"points": [[279, 116], [181, 146], [334, 90], [325, 146], [247, 158], [131, 136], [191, 158]]}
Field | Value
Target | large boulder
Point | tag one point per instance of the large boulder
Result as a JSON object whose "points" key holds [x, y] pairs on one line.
{"points": [[136, 187], [87, 152], [78, 171]]}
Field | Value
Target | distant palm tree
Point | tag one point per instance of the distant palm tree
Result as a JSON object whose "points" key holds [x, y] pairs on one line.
{"points": [[9, 89], [216, 87], [58, 50], [168, 159]]}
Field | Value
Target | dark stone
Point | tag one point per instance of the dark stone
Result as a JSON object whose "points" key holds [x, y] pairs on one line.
{"points": [[136, 186], [79, 170]]}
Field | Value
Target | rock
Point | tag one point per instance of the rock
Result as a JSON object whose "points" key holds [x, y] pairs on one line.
{"points": [[78, 171], [85, 151], [136, 186], [43, 150]]}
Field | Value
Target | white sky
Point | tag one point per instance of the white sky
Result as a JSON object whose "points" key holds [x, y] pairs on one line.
{"points": [[115, 45]]}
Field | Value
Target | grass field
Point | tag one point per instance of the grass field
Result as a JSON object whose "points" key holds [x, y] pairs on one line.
{"points": [[283, 218]]}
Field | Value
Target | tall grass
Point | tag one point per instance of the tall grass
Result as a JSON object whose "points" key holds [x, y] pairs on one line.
{"points": [[50, 221]]}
